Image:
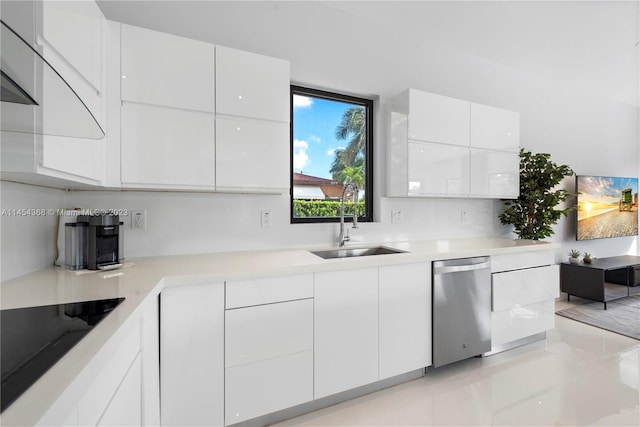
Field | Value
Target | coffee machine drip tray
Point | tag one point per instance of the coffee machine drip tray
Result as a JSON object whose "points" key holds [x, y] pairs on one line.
{"points": [[33, 339]]}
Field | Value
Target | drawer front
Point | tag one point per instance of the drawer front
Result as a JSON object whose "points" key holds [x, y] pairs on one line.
{"points": [[271, 385], [244, 293], [521, 322], [518, 261], [267, 331], [523, 287]]}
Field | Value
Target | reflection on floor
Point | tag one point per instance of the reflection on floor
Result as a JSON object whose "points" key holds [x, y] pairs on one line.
{"points": [[581, 375]]}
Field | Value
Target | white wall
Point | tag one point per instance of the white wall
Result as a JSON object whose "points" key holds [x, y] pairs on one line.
{"points": [[185, 223], [28, 242]]}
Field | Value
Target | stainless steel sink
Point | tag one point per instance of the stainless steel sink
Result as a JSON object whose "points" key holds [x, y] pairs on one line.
{"points": [[355, 252]]}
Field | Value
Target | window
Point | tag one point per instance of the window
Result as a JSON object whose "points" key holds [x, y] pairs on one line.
{"points": [[331, 146]]}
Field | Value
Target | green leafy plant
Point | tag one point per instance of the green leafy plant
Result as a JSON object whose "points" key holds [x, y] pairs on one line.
{"points": [[323, 208], [574, 253], [534, 212], [586, 257]]}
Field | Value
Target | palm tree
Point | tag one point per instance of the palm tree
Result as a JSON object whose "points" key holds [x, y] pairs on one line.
{"points": [[354, 123]]}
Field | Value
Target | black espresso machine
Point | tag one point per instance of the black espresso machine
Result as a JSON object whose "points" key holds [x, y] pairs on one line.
{"points": [[104, 241]]}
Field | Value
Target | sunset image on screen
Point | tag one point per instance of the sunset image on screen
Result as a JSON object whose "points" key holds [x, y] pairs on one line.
{"points": [[607, 207]]}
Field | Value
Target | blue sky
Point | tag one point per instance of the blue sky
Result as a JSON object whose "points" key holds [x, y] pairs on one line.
{"points": [[314, 140]]}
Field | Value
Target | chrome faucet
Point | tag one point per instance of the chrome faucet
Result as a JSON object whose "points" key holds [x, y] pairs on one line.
{"points": [[344, 237]]}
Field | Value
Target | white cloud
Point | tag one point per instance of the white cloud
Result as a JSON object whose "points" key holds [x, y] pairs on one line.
{"points": [[300, 101], [332, 151], [314, 138], [300, 156]]}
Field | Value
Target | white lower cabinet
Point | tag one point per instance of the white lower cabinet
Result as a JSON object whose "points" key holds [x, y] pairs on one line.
{"points": [[524, 289], [405, 318], [192, 355], [124, 408], [268, 347], [268, 358], [117, 378], [345, 330]]}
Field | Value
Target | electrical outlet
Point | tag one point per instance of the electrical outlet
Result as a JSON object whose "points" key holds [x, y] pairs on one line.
{"points": [[396, 217], [265, 218], [139, 220], [463, 217]]}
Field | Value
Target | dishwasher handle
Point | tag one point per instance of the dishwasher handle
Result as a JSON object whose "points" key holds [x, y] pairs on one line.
{"points": [[460, 268]]}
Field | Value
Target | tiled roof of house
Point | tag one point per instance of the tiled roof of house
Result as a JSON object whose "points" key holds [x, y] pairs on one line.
{"points": [[302, 179]]}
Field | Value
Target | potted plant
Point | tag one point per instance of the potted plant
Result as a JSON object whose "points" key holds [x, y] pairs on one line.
{"points": [[534, 212], [586, 258], [574, 256]]}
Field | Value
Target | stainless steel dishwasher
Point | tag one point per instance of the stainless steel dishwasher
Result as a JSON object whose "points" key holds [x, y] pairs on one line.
{"points": [[461, 309]]}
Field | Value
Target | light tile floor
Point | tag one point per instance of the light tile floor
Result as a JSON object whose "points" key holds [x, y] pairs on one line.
{"points": [[581, 375]]}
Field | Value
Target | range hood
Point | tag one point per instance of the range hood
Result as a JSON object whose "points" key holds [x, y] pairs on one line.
{"points": [[35, 98]]}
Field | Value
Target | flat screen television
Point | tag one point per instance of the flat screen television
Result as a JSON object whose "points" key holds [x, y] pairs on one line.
{"points": [[607, 207]]}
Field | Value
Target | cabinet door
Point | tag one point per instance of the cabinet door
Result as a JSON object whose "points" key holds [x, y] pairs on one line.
{"points": [[437, 118], [345, 330], [192, 355], [494, 128], [405, 318], [166, 147], [512, 289], [163, 69], [252, 154], [251, 85], [438, 169], [494, 173], [124, 408], [268, 358]]}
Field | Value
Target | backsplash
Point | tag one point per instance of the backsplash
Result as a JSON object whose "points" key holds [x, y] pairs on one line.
{"points": [[28, 233]]}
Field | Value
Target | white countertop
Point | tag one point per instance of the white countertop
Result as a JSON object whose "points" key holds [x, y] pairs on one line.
{"points": [[144, 280]]}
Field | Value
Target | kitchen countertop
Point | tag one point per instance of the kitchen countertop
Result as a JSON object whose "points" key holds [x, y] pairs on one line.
{"points": [[144, 280]]}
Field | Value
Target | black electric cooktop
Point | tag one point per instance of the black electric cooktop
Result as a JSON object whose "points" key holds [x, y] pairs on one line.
{"points": [[33, 339]]}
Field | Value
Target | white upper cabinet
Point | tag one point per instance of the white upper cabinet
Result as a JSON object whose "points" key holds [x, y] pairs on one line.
{"points": [[252, 155], [251, 85], [437, 118], [163, 69], [440, 146], [438, 169], [494, 173], [494, 128], [167, 111], [165, 147], [70, 37]]}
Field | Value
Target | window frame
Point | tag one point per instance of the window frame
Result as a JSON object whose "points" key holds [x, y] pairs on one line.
{"points": [[368, 161]]}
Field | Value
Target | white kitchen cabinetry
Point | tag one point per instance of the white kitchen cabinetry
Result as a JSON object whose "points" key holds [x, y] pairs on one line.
{"points": [[192, 355], [494, 128], [252, 122], [165, 147], [71, 37], [345, 330], [268, 345], [124, 408], [446, 147], [494, 173], [167, 113], [438, 169], [405, 318], [437, 118], [251, 155], [525, 286], [251, 85]]}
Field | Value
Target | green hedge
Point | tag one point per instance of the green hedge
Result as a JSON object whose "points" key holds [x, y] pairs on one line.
{"points": [[323, 208]]}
